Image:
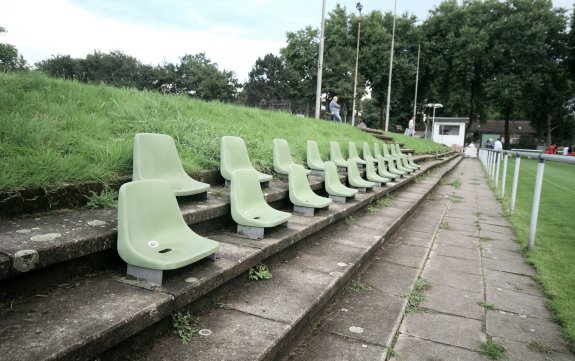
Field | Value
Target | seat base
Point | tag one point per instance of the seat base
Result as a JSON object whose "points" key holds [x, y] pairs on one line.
{"points": [[203, 195], [317, 172], [339, 199], [228, 184], [152, 276], [251, 232], [304, 211], [379, 184]]}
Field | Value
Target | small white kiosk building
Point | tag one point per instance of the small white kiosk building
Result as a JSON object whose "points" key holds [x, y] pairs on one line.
{"points": [[449, 131]]}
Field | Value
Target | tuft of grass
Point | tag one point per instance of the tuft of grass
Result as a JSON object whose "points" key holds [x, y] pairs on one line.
{"points": [[485, 238], [357, 286], [491, 349], [386, 201], [391, 352], [444, 225], [107, 198], [349, 220], [416, 296], [372, 209], [216, 192], [487, 306], [259, 272], [455, 198], [184, 325], [456, 183]]}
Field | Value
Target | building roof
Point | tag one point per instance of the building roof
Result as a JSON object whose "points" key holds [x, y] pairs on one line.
{"points": [[498, 126]]}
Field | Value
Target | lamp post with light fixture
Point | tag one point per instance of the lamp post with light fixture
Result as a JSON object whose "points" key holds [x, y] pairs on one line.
{"points": [[359, 7], [434, 106]]}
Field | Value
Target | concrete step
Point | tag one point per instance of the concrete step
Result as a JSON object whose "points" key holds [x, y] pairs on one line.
{"points": [[260, 320], [87, 316], [34, 242]]}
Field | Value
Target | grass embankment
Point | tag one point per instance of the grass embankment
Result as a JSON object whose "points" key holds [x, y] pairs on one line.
{"points": [[554, 251], [55, 132]]}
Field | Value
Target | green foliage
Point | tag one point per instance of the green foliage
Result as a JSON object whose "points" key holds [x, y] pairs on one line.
{"points": [[456, 184], [107, 198], [386, 201], [416, 295], [372, 209], [491, 349], [444, 225], [455, 198], [259, 272], [357, 286], [487, 306], [184, 326], [10, 59], [349, 220]]}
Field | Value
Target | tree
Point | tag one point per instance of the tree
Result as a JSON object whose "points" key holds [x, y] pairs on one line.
{"points": [[300, 59], [10, 59], [265, 86], [199, 77]]}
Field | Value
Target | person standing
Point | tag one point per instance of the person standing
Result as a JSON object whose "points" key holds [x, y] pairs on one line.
{"points": [[498, 145], [411, 126], [334, 109], [489, 144]]}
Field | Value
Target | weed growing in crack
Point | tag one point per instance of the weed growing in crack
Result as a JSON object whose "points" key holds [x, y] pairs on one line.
{"points": [[349, 220], [184, 325], [455, 198], [485, 238], [491, 349], [259, 272], [386, 201], [416, 296], [372, 209], [456, 184], [487, 306], [444, 225], [540, 347], [107, 198], [357, 286]]}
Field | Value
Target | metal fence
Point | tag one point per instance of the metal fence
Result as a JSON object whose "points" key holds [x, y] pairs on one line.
{"points": [[491, 160]]}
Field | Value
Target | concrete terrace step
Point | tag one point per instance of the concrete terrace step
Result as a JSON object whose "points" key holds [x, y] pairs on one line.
{"points": [[34, 242], [88, 316], [260, 320]]}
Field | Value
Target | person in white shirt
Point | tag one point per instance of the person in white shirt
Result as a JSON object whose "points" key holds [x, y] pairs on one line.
{"points": [[498, 145]]}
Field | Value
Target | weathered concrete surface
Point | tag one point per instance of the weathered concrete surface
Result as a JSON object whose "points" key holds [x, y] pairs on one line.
{"points": [[410, 348], [461, 303]]}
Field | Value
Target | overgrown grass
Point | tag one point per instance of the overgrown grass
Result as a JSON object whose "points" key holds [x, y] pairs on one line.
{"points": [[55, 131], [554, 251]]}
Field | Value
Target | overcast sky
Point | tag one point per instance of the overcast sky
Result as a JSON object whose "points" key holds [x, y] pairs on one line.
{"points": [[232, 33]]}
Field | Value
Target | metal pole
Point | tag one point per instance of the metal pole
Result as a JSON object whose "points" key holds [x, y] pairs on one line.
{"points": [[390, 69], [320, 64], [515, 182], [356, 64], [536, 198], [504, 179], [433, 123], [416, 82]]}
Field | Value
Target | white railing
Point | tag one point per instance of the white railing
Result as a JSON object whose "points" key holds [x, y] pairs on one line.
{"points": [[491, 160]]}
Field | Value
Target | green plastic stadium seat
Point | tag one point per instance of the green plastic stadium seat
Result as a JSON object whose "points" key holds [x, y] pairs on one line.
{"points": [[355, 179], [391, 166], [282, 157], [372, 176], [376, 151], [249, 208], [300, 193], [152, 233], [406, 159], [396, 159], [367, 153], [382, 169], [335, 155], [412, 162], [333, 186], [156, 157], [353, 154], [314, 161], [234, 156]]}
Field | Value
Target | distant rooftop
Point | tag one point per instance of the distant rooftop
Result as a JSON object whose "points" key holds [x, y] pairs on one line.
{"points": [[498, 126], [451, 119]]}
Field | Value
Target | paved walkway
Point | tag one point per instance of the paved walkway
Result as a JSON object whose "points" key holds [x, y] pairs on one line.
{"points": [[475, 285]]}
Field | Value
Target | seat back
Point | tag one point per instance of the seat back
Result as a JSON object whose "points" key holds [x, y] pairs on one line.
{"points": [[393, 150], [314, 160], [370, 172], [376, 151], [146, 208], [245, 193], [398, 150], [385, 151], [367, 151], [298, 183], [233, 156], [281, 156], [156, 157], [331, 176], [352, 170], [335, 154], [352, 151]]}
